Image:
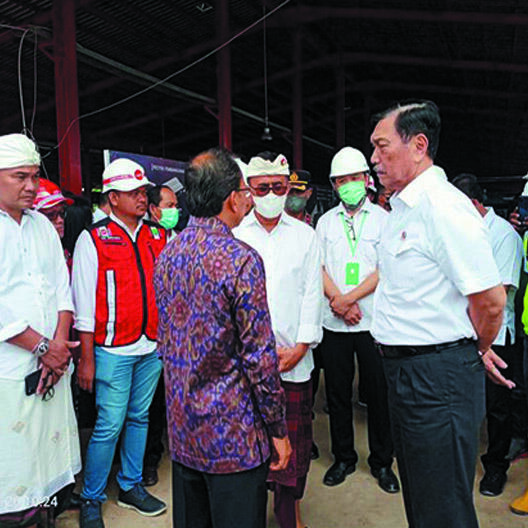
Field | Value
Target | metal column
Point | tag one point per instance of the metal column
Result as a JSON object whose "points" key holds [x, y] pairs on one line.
{"points": [[223, 74], [67, 95], [297, 100]]}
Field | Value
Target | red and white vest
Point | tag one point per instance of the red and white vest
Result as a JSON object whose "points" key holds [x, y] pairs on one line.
{"points": [[125, 304]]}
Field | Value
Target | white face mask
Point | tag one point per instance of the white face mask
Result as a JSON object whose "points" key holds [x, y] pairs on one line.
{"points": [[271, 205]]}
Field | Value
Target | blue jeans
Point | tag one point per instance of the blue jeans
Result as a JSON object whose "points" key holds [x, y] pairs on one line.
{"points": [[124, 387]]}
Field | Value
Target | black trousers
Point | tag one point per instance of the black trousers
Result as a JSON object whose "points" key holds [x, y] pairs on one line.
{"points": [[157, 424], [500, 413], [206, 500], [436, 404], [338, 349]]}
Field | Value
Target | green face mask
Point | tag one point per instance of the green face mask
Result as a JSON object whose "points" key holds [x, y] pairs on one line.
{"points": [[351, 193], [169, 217], [295, 204]]}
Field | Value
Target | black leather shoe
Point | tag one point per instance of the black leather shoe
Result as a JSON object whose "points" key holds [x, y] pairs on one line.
{"points": [[338, 472], [492, 483], [314, 453], [387, 480], [75, 502], [150, 476]]}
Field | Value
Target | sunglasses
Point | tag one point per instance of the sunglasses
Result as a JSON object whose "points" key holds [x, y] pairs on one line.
{"points": [[52, 216], [263, 189]]}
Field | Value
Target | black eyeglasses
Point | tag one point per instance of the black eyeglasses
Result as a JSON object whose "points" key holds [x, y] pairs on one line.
{"points": [[262, 189], [52, 216]]}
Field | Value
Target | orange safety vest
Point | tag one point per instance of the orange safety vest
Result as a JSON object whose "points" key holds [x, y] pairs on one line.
{"points": [[125, 304]]}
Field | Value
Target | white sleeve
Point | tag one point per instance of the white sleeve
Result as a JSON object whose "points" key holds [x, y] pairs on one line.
{"points": [[10, 325], [62, 276], [461, 247], [84, 282], [310, 321], [508, 256]]}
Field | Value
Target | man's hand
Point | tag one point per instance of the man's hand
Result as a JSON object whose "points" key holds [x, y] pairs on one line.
{"points": [[493, 363], [58, 356], [289, 357], [86, 373], [340, 305], [353, 316], [281, 452], [48, 379], [515, 221]]}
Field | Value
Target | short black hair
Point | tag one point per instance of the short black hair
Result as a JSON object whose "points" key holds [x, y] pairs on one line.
{"points": [[267, 155], [103, 199], [154, 194], [416, 117], [210, 178], [469, 185]]}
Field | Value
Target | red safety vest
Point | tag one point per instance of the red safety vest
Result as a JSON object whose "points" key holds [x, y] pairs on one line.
{"points": [[125, 304]]}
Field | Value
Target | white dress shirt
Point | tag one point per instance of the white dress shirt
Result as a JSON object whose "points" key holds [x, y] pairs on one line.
{"points": [[368, 224], [34, 287], [84, 285], [434, 252], [98, 215], [506, 245], [294, 284]]}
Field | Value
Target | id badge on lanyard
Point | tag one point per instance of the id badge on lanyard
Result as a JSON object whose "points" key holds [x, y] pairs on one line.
{"points": [[352, 267]]}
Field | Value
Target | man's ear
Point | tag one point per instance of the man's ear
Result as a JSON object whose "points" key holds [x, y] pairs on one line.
{"points": [[112, 198], [152, 211], [421, 145]]}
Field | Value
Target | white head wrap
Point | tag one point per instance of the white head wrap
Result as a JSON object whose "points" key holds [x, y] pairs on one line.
{"points": [[17, 150], [261, 167], [243, 168]]}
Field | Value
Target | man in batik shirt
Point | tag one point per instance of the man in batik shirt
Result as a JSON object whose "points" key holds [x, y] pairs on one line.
{"points": [[224, 395]]}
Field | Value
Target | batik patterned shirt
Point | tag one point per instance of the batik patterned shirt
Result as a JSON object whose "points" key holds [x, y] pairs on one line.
{"points": [[224, 398]]}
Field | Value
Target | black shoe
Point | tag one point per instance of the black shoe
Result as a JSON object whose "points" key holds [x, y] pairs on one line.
{"points": [[338, 472], [75, 502], [387, 480], [141, 500], [90, 515], [492, 483], [150, 476], [518, 449], [314, 453]]}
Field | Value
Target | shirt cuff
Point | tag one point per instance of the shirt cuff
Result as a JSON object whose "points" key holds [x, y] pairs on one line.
{"points": [[65, 307], [278, 429], [13, 329], [309, 334], [84, 324]]}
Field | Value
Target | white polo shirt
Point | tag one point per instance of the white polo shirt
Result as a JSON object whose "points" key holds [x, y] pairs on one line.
{"points": [[294, 285], [506, 245], [434, 252], [366, 227]]}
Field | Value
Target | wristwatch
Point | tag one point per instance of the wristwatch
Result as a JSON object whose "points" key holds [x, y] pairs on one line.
{"points": [[41, 348]]}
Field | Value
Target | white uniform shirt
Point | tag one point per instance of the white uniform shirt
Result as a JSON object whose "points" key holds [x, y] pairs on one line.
{"points": [[434, 252], [84, 285], [368, 224], [294, 284], [34, 287], [506, 245], [98, 215]]}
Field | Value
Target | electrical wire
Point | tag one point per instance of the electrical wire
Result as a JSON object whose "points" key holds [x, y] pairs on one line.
{"points": [[35, 81], [171, 76], [266, 119], [19, 68]]}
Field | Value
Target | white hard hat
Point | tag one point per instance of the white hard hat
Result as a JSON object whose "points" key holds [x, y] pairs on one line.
{"points": [[348, 161], [124, 175]]}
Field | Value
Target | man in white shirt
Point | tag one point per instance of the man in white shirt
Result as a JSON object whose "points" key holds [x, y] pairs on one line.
{"points": [[117, 320], [349, 235], [507, 251], [437, 310], [292, 263], [39, 443]]}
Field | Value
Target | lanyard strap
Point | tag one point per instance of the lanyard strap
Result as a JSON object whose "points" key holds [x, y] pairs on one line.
{"points": [[353, 243]]}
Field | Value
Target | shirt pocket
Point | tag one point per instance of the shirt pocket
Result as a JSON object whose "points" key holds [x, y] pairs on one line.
{"points": [[398, 262]]}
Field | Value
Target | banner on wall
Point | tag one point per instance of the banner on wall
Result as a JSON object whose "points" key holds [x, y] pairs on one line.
{"points": [[158, 170]]}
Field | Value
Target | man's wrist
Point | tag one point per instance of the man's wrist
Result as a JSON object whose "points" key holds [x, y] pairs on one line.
{"points": [[41, 348]]}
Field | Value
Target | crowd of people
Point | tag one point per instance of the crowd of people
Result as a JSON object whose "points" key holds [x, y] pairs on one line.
{"points": [[215, 327]]}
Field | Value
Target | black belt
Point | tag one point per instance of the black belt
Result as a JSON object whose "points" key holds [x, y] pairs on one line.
{"points": [[401, 351]]}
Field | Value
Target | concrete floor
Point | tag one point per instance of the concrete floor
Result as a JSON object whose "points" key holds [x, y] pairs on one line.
{"points": [[358, 502]]}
